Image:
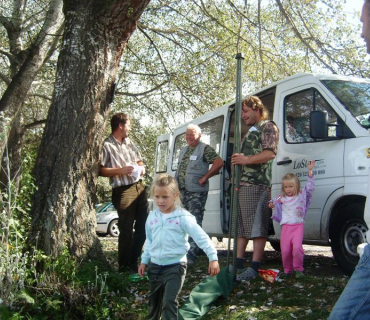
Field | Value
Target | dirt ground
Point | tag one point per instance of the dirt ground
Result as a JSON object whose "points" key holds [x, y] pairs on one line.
{"points": [[318, 260]]}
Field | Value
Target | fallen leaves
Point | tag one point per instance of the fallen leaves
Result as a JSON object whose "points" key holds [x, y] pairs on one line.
{"points": [[311, 297]]}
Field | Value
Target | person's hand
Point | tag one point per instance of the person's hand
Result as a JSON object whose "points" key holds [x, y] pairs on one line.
{"points": [[142, 269], [271, 204], [311, 165], [202, 181], [239, 158], [213, 268], [127, 170]]}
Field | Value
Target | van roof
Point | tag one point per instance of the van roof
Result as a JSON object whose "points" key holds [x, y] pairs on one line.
{"points": [[319, 76]]}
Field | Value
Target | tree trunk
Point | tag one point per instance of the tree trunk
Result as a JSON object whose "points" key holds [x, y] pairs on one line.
{"points": [[22, 77], [11, 165], [67, 166]]}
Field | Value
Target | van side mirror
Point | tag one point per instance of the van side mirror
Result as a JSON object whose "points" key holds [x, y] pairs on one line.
{"points": [[319, 124]]}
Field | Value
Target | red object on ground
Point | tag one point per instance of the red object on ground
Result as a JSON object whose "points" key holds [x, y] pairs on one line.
{"points": [[270, 275]]}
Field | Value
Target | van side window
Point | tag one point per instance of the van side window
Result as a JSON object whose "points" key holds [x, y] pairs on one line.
{"points": [[180, 142], [297, 108], [161, 164], [212, 132], [268, 100], [211, 135]]}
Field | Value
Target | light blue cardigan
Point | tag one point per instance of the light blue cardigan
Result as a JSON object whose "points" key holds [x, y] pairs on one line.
{"points": [[167, 242]]}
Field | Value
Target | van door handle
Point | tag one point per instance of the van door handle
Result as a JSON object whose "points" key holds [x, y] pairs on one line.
{"points": [[279, 163]]}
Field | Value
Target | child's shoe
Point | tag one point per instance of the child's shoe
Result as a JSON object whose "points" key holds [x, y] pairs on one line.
{"points": [[246, 274], [285, 276], [299, 274]]}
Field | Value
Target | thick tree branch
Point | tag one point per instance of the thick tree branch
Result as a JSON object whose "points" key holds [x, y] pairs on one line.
{"points": [[35, 124], [142, 93], [156, 49], [5, 78]]}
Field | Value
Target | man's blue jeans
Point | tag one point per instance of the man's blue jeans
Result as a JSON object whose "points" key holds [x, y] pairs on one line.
{"points": [[354, 302]]}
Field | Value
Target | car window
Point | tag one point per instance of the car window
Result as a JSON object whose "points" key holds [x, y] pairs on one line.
{"points": [[104, 207]]}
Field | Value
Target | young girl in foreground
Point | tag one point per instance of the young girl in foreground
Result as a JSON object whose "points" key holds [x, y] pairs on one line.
{"points": [[167, 230], [290, 211]]}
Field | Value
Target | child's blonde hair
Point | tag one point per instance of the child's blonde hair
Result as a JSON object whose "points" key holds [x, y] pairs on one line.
{"points": [[291, 177], [168, 182]]}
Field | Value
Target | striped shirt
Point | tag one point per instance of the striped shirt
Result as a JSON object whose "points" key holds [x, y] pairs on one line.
{"points": [[118, 155]]}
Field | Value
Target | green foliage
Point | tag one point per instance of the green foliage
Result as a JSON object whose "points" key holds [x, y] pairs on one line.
{"points": [[90, 291], [103, 190], [64, 267], [24, 296], [180, 63], [15, 221], [13, 259]]}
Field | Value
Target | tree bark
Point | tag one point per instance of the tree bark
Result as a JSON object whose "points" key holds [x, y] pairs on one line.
{"points": [[25, 64], [66, 170], [12, 159]]}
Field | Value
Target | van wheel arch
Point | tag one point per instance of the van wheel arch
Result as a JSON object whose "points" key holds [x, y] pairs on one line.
{"points": [[347, 231]]}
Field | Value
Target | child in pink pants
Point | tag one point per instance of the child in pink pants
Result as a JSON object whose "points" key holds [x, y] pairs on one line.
{"points": [[290, 210]]}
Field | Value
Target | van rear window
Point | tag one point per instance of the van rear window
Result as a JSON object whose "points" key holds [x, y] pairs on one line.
{"points": [[161, 157]]}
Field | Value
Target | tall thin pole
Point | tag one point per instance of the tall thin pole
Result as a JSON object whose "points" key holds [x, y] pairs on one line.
{"points": [[236, 169]]}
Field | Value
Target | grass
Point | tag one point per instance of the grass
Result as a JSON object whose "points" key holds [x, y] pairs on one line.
{"points": [[310, 298], [97, 291]]}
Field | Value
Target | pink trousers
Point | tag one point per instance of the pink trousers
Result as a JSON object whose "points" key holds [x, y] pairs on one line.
{"points": [[292, 254]]}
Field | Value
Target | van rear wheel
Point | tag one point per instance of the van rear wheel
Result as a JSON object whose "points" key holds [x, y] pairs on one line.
{"points": [[347, 233]]}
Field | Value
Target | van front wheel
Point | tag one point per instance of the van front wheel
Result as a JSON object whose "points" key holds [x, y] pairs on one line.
{"points": [[348, 232]]}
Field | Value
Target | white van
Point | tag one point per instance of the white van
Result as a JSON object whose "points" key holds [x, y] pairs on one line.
{"points": [[321, 117]]}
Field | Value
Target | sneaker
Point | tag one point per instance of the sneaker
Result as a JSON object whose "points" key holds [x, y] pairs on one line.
{"points": [[246, 274], [299, 274]]}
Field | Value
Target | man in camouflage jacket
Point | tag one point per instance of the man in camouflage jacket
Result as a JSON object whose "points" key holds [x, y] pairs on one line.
{"points": [[258, 149]]}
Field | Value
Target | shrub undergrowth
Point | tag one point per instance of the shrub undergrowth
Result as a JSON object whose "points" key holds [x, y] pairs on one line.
{"points": [[63, 288]]}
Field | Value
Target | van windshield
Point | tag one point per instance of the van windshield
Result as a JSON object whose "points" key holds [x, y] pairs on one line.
{"points": [[355, 96]]}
